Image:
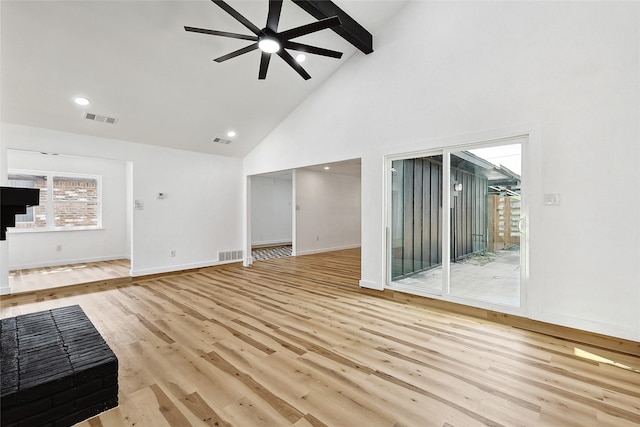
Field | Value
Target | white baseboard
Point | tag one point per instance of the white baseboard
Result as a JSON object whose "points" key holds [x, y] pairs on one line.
{"points": [[321, 250], [179, 267], [370, 285], [267, 243]]}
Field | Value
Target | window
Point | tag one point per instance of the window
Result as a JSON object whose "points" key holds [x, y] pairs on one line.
{"points": [[36, 216], [67, 201]]}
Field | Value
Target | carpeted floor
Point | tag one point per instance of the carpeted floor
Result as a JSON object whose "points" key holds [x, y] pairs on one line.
{"points": [[271, 253]]}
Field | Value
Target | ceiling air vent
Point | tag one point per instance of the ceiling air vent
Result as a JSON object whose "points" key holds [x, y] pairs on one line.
{"points": [[101, 119], [222, 141]]}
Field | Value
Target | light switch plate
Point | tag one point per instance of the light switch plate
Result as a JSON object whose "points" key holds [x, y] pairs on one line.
{"points": [[552, 199]]}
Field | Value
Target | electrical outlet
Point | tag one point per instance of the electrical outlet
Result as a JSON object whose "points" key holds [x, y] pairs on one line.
{"points": [[173, 253], [59, 248]]}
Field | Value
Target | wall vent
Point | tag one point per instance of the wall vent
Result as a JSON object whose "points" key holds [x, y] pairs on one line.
{"points": [[230, 256], [222, 141], [100, 118]]}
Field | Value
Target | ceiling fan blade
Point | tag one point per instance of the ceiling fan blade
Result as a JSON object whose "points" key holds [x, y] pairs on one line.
{"points": [[312, 49], [231, 11], [238, 52], [322, 24], [293, 63], [221, 33], [275, 7], [264, 65]]}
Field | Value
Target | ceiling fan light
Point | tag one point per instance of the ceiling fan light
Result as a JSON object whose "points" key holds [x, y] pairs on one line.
{"points": [[269, 45]]}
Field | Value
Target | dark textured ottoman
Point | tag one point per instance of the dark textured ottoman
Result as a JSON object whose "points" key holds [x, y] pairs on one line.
{"points": [[57, 370]]}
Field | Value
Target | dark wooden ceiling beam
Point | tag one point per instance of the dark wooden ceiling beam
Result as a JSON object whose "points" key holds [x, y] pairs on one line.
{"points": [[349, 29]]}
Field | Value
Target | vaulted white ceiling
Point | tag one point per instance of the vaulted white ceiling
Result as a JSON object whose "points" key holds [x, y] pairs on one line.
{"points": [[136, 63]]}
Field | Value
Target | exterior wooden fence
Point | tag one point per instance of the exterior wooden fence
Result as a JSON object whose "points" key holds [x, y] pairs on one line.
{"points": [[503, 223]]}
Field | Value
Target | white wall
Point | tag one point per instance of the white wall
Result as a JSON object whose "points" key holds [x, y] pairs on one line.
{"points": [[327, 211], [200, 217], [271, 210], [4, 245], [445, 73], [30, 250]]}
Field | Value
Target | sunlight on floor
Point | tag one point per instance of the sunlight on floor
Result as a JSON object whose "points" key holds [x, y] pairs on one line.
{"points": [[65, 275], [594, 357]]}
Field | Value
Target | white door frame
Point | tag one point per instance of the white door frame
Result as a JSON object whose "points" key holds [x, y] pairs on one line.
{"points": [[525, 138]]}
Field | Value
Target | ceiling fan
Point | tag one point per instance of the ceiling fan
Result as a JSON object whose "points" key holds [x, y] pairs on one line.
{"points": [[269, 40]]}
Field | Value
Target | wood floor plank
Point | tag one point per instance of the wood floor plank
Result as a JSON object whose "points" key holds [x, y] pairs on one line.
{"points": [[168, 409], [280, 405], [245, 412], [199, 407], [296, 342]]}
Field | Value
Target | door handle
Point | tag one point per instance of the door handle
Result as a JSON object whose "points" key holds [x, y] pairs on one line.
{"points": [[520, 222]]}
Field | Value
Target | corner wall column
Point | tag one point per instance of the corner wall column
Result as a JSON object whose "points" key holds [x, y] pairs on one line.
{"points": [[5, 288]]}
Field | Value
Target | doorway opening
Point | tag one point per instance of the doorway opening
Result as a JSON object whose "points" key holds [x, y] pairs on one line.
{"points": [[271, 215], [305, 210]]}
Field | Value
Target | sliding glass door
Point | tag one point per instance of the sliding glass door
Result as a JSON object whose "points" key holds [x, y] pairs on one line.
{"points": [[416, 231], [456, 223], [485, 228]]}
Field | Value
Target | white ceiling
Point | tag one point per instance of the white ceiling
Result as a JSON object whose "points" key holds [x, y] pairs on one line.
{"points": [[350, 167], [136, 63]]}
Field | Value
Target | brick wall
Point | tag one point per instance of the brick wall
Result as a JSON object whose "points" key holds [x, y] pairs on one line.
{"points": [[75, 202]]}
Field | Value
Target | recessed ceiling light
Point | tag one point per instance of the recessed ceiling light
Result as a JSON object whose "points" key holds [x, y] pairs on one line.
{"points": [[231, 133], [82, 100], [301, 57], [327, 168]]}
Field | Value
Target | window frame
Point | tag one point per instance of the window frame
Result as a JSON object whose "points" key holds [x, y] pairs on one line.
{"points": [[50, 203]]}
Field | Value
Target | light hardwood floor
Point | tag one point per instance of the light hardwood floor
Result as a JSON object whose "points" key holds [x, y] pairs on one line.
{"points": [[295, 342], [66, 275]]}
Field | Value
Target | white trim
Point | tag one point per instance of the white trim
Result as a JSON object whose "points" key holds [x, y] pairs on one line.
{"points": [[369, 285], [446, 223], [527, 136], [595, 326], [336, 248], [294, 213], [247, 259], [271, 243], [13, 230], [180, 267]]}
